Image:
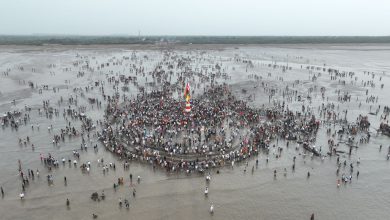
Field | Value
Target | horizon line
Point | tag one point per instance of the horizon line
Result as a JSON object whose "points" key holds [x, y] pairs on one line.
{"points": [[169, 35]]}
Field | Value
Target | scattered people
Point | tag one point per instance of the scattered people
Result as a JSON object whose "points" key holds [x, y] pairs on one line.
{"points": [[136, 110]]}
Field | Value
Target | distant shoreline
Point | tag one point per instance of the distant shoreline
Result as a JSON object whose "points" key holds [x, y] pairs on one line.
{"points": [[42, 40], [24, 48]]}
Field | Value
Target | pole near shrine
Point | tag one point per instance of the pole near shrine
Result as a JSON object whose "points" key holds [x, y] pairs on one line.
{"points": [[187, 98]]}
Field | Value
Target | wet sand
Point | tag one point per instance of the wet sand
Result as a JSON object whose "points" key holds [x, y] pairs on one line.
{"points": [[162, 195]]}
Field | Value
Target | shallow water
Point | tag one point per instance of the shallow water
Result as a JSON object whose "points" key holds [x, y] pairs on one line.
{"points": [[160, 195]]}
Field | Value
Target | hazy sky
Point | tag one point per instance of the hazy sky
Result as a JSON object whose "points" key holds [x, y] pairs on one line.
{"points": [[196, 17]]}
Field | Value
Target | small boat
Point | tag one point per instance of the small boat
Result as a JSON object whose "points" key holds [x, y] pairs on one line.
{"points": [[311, 149], [208, 178], [206, 191], [21, 195]]}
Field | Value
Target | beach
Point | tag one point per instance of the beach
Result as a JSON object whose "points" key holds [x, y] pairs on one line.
{"points": [[264, 77]]}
